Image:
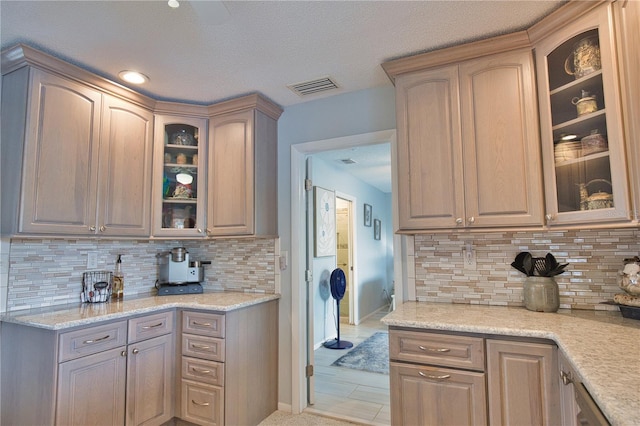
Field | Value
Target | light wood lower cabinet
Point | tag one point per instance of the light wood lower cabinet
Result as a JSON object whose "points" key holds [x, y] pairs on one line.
{"points": [[522, 383], [91, 375], [425, 395], [229, 368], [460, 379]]}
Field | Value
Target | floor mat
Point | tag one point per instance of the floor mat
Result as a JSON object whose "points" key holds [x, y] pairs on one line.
{"points": [[371, 355]]}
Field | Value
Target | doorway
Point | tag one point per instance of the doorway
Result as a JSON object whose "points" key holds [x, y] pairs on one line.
{"points": [[302, 383], [344, 254]]}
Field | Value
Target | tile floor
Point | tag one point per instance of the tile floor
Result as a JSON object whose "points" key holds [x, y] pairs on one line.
{"points": [[353, 395]]}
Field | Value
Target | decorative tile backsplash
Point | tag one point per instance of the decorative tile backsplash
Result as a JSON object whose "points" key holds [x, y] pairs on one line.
{"points": [[46, 272], [594, 257]]}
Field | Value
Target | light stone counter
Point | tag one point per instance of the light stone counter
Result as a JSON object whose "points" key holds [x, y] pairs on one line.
{"points": [[65, 316], [603, 347]]}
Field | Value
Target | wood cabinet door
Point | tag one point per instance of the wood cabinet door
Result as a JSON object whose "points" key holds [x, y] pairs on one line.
{"points": [[430, 176], [91, 389], [231, 175], [565, 181], [627, 18], [61, 157], [502, 164], [124, 196], [150, 381], [424, 395], [522, 383]]}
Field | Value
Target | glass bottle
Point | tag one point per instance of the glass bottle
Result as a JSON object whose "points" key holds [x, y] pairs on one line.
{"points": [[118, 280]]}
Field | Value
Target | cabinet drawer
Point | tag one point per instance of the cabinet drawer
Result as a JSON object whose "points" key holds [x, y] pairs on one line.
{"points": [[203, 347], [438, 349], [202, 371], [204, 324], [202, 404], [150, 326], [91, 340]]}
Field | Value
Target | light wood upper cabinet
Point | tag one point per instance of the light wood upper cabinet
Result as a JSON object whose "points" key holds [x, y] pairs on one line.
{"points": [[627, 19], [81, 158], [468, 146], [431, 187], [124, 183], [61, 147], [179, 176], [585, 177], [502, 165], [242, 168]]}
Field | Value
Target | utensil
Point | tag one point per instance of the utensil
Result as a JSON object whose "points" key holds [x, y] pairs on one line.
{"points": [[518, 262], [527, 263]]}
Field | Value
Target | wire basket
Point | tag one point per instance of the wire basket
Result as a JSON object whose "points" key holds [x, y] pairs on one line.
{"points": [[96, 286]]}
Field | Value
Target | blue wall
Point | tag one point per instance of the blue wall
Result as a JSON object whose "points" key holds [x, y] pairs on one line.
{"points": [[371, 262], [348, 114]]}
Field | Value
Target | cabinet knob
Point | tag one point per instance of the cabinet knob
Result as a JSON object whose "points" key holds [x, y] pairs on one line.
{"points": [[123, 353], [459, 221], [471, 219], [549, 217], [92, 229], [199, 230], [208, 231], [135, 351], [103, 228], [566, 377]]}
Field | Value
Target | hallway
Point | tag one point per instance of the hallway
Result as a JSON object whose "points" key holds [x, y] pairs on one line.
{"points": [[358, 396]]}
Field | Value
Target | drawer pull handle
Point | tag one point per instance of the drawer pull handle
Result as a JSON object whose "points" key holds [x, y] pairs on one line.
{"points": [[197, 370], [89, 342], [194, 346], [202, 404], [439, 350], [429, 376], [202, 324], [147, 327]]}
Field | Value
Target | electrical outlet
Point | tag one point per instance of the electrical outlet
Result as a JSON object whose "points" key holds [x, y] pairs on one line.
{"points": [[469, 257], [92, 260]]}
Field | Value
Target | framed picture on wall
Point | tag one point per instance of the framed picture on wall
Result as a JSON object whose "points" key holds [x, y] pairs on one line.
{"points": [[324, 206], [368, 212], [376, 229]]}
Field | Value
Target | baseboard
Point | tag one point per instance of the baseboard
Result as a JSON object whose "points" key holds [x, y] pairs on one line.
{"points": [[284, 407], [384, 307]]}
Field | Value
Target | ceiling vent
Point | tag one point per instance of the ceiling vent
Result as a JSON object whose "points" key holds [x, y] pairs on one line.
{"points": [[312, 87], [348, 161]]}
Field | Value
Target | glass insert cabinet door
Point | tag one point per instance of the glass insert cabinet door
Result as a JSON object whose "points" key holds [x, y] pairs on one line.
{"points": [[179, 181], [585, 178]]}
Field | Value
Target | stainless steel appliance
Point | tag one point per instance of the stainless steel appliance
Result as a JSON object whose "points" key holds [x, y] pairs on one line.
{"points": [[177, 274]]}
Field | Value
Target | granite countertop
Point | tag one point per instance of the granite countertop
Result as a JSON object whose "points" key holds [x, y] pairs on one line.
{"points": [[603, 347], [65, 316]]}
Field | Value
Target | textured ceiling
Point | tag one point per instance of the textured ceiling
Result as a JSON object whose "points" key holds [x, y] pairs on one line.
{"points": [[207, 51], [372, 163]]}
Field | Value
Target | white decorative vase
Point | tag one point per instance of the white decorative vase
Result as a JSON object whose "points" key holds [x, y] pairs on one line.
{"points": [[541, 294]]}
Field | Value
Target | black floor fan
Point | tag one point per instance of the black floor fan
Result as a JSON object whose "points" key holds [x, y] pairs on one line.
{"points": [[338, 286]]}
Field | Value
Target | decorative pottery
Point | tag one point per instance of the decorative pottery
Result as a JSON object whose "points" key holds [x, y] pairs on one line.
{"points": [[584, 58], [597, 200], [541, 294], [593, 143], [585, 104]]}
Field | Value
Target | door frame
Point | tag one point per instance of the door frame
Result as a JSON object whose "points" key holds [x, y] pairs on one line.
{"points": [[353, 250], [299, 153]]}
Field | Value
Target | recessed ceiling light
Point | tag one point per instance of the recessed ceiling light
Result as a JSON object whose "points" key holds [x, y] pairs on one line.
{"points": [[133, 77], [173, 4]]}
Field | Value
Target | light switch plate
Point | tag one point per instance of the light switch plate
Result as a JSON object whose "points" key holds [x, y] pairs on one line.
{"points": [[284, 260], [92, 260]]}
